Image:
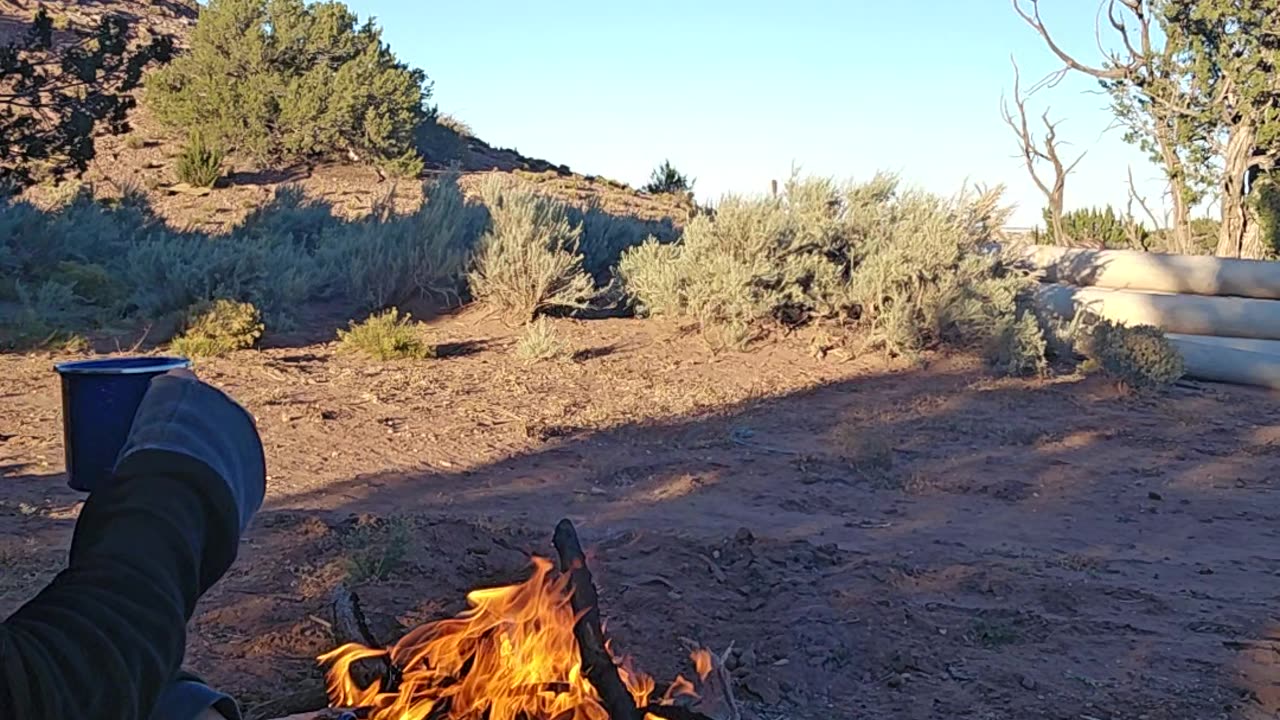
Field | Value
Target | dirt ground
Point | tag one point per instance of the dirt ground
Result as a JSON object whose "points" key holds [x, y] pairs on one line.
{"points": [[907, 541]]}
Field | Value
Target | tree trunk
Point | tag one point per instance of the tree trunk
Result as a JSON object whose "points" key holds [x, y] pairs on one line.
{"points": [[1235, 239], [1182, 242]]}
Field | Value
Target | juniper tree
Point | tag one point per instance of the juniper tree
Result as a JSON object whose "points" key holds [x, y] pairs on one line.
{"points": [[283, 80]]}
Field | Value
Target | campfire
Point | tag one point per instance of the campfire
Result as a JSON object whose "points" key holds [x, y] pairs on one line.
{"points": [[531, 651]]}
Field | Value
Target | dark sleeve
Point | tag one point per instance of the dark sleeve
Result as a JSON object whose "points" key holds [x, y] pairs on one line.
{"points": [[108, 633]]}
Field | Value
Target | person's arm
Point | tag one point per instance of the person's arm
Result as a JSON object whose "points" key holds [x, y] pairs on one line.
{"points": [[108, 633]]}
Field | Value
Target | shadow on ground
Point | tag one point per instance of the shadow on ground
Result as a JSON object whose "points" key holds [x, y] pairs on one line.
{"points": [[913, 544]]}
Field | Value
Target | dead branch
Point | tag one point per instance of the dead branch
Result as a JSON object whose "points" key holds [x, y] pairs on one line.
{"points": [[1046, 151], [351, 626], [715, 695], [597, 663], [1131, 225], [1118, 70]]}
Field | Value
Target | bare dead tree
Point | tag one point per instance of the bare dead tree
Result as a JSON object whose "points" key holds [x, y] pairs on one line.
{"points": [[1156, 106], [1036, 153], [1132, 226]]}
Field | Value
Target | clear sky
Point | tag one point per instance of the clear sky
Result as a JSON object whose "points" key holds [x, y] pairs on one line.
{"points": [[736, 92]]}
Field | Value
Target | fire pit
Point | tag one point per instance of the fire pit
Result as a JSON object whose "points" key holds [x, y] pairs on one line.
{"points": [[531, 651]]}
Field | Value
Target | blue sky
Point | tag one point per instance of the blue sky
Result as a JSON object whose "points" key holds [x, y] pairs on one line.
{"points": [[736, 92]]}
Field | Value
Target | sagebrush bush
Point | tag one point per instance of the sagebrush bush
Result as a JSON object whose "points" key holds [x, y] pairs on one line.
{"points": [[392, 260], [199, 163], [386, 336], [86, 264], [606, 236], [904, 266], [1139, 357], [540, 341], [528, 261], [214, 329]]}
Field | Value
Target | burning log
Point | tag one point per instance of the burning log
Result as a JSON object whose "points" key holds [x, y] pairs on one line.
{"points": [[531, 651], [351, 626], [597, 663]]}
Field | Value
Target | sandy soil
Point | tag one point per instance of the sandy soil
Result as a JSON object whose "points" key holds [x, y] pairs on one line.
{"points": [[877, 541]]}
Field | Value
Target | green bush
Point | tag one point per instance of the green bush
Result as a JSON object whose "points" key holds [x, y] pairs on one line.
{"points": [[284, 80], [1097, 226], [386, 336], [905, 267], [528, 261], [217, 328], [199, 163], [666, 179], [540, 341], [1140, 357]]}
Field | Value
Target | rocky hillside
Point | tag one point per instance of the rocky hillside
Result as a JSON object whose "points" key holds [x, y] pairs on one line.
{"points": [[142, 160]]}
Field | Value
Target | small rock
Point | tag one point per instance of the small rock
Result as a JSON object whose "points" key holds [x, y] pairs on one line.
{"points": [[744, 536], [1027, 683], [748, 658], [1153, 495]]}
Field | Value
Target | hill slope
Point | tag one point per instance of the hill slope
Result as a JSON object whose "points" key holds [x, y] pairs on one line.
{"points": [[142, 160]]}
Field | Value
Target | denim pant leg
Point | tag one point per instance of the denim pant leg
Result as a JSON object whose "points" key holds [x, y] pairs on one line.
{"points": [[187, 696]]}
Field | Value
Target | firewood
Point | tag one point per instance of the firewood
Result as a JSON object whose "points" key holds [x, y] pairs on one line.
{"points": [[715, 695], [326, 714], [351, 626], [597, 663]]}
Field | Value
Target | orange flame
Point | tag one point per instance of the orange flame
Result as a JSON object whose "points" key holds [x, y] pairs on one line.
{"points": [[510, 656]]}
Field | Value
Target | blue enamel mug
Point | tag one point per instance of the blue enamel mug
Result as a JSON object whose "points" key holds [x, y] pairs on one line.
{"points": [[99, 400]]}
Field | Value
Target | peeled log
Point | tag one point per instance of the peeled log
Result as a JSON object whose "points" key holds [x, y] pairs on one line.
{"points": [[1136, 270], [1219, 363], [1185, 314], [1266, 347]]}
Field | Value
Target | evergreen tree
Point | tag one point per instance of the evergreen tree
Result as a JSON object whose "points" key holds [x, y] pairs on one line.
{"points": [[283, 81]]}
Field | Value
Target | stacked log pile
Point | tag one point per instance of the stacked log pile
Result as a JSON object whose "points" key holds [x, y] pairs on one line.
{"points": [[1223, 315]]}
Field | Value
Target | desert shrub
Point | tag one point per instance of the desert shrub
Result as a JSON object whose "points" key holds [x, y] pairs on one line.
{"points": [[214, 329], [666, 179], [1097, 226], [389, 261], [288, 80], [42, 316], [1139, 357], [906, 267], [386, 336], [170, 271], [375, 549], [290, 217], [540, 341], [606, 236], [528, 260], [199, 163]]}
